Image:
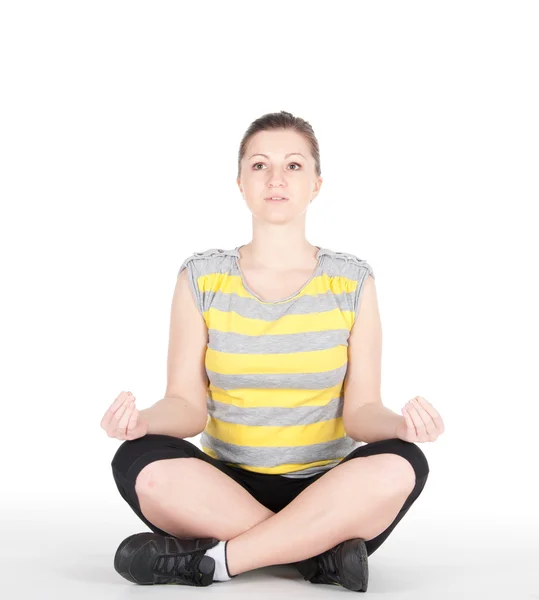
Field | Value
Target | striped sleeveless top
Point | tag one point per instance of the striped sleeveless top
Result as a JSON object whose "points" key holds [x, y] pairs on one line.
{"points": [[276, 369]]}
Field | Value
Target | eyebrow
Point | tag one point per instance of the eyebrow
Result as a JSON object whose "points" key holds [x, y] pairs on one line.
{"points": [[286, 155]]}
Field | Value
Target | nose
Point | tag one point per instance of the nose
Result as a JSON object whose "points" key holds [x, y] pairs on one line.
{"points": [[275, 177], [275, 180]]}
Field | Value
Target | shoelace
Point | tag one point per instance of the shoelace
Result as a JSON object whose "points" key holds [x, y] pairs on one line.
{"points": [[176, 565], [327, 566]]}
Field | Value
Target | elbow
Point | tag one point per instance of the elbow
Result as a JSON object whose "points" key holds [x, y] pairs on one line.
{"points": [[351, 421], [202, 423], [351, 430]]}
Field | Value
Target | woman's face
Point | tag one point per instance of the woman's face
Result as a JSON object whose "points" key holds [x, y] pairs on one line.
{"points": [[287, 169]]}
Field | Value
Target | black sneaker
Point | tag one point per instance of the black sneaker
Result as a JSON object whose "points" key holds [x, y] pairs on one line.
{"points": [[346, 565], [151, 558]]}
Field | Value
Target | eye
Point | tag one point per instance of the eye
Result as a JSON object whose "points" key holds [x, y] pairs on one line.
{"points": [[259, 163]]}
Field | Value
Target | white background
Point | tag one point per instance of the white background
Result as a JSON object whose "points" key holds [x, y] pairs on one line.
{"points": [[120, 124]]}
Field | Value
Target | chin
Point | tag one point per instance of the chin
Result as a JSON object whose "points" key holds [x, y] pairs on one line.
{"points": [[277, 219]]}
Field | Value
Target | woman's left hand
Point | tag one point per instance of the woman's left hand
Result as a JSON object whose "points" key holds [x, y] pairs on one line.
{"points": [[422, 422]]}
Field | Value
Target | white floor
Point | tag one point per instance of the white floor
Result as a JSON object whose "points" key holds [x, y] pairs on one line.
{"points": [[57, 553]]}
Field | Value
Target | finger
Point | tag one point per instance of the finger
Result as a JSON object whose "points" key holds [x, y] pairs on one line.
{"points": [[113, 426], [122, 424], [424, 415], [105, 422], [409, 422], [422, 432], [418, 422], [119, 401], [127, 402], [436, 417]]}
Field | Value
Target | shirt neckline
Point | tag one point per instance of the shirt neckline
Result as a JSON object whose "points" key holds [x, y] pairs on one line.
{"points": [[321, 251]]}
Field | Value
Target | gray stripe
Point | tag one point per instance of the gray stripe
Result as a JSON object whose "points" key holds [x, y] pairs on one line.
{"points": [[272, 456], [274, 415], [252, 309], [296, 381], [311, 471], [282, 343]]}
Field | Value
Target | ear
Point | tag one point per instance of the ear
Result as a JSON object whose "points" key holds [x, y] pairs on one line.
{"points": [[316, 187]]}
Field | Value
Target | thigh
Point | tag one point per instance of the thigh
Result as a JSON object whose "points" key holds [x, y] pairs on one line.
{"points": [[417, 459], [133, 455], [275, 491]]}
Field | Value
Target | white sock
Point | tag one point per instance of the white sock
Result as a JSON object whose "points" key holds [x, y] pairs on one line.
{"points": [[218, 553]]}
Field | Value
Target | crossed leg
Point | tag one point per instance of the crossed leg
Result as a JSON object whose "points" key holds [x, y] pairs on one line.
{"points": [[359, 498]]}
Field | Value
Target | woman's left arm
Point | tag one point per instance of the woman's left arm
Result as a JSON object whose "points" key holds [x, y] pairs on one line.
{"points": [[365, 417]]}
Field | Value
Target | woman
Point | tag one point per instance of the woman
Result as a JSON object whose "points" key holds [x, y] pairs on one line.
{"points": [[272, 358]]}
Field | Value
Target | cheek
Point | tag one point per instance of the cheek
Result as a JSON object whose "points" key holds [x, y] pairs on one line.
{"points": [[253, 186]]}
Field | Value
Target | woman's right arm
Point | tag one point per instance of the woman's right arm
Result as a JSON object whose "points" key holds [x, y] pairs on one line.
{"points": [[182, 412]]}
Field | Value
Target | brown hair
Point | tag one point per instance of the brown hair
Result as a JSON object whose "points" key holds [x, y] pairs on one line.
{"points": [[281, 120]]}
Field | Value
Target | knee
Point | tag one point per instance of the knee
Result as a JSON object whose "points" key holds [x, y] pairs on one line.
{"points": [[126, 454], [159, 472], [148, 477], [122, 460], [417, 459], [155, 445], [404, 465], [413, 462], [393, 472]]}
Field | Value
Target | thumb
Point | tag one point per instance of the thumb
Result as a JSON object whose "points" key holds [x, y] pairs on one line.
{"points": [[137, 426]]}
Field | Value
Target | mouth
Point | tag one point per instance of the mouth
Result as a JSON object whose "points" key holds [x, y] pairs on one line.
{"points": [[276, 199]]}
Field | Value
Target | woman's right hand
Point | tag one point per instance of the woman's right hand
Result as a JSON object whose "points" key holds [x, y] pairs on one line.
{"points": [[122, 420]]}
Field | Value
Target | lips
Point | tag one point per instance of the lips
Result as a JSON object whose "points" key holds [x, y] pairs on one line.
{"points": [[270, 197]]}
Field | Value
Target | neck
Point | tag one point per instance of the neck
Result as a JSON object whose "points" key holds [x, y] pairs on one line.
{"points": [[278, 254]]}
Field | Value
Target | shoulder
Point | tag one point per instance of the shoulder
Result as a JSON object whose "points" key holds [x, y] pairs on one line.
{"points": [[209, 261], [346, 264]]}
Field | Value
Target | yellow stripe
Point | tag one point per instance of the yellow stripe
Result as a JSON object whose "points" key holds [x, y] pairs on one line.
{"points": [[288, 398], [275, 435], [315, 361], [232, 284], [315, 321], [210, 452], [278, 470]]}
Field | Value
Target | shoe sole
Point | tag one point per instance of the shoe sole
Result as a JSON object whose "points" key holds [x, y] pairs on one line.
{"points": [[354, 567]]}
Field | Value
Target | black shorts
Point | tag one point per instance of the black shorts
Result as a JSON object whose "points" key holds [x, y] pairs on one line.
{"points": [[272, 491]]}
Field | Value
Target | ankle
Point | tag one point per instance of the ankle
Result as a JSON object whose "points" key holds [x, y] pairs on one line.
{"points": [[227, 564], [218, 553]]}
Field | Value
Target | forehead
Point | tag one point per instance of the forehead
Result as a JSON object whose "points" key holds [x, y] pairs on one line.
{"points": [[277, 142]]}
